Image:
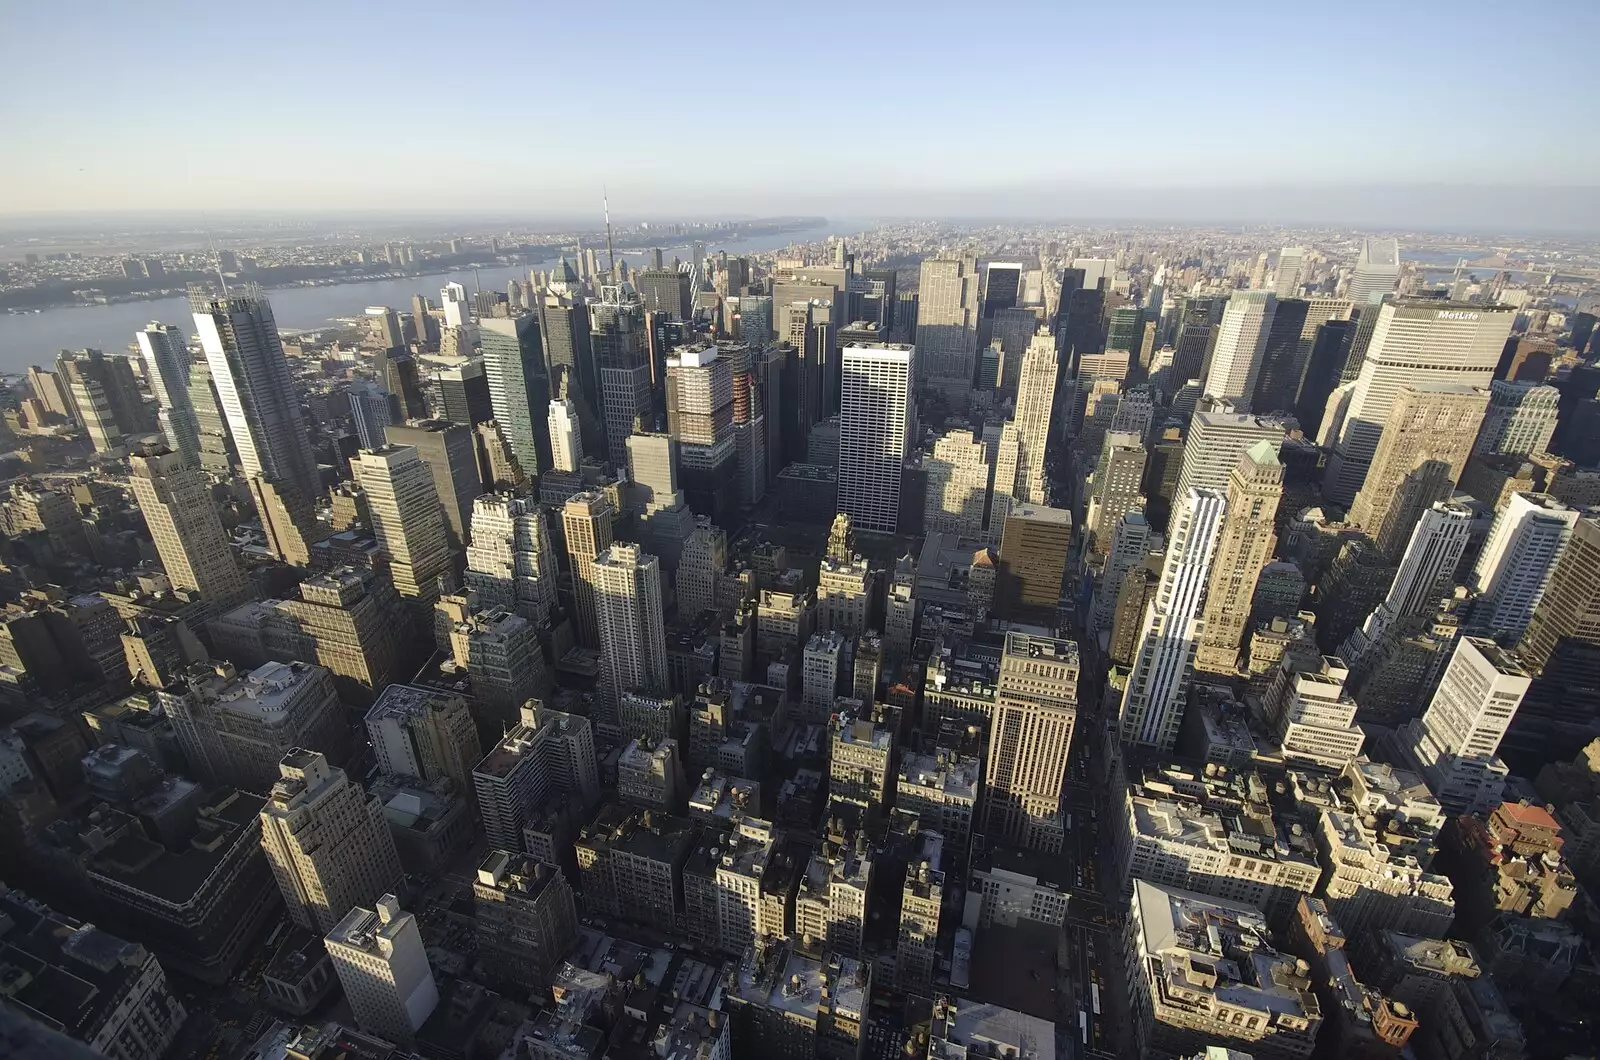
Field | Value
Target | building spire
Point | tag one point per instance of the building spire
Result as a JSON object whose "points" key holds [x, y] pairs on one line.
{"points": [[611, 253]]}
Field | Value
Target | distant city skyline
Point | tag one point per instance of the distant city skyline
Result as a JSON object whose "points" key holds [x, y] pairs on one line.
{"points": [[1365, 126]]}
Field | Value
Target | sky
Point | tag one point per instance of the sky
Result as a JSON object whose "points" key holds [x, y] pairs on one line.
{"points": [[1446, 112]]}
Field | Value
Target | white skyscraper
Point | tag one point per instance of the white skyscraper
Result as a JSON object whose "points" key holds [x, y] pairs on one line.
{"points": [[1514, 568], [1426, 574], [457, 308], [947, 322], [408, 523], [166, 366], [256, 390], [1215, 442], [1291, 272], [1241, 341], [1152, 704], [566, 439], [383, 966], [510, 563], [1377, 271], [1416, 341], [633, 641], [1520, 421], [877, 421], [1455, 741]]}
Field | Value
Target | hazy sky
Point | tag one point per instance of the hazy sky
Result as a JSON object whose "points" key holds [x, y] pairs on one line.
{"points": [[1145, 109]]}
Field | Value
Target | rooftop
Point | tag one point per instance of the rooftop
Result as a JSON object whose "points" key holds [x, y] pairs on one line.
{"points": [[956, 776], [227, 819]]}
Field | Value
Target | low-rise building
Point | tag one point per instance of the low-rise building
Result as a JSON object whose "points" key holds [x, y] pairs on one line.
{"points": [[967, 1030], [942, 790], [785, 1004], [630, 864], [526, 917]]}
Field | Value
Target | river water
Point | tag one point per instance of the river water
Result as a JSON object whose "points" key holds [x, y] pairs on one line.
{"points": [[36, 338]]}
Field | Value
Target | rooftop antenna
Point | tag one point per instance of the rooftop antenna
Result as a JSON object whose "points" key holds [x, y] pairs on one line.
{"points": [[216, 257], [611, 253]]}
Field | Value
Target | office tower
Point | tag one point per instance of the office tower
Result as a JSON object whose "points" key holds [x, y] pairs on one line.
{"points": [[1455, 741], [821, 664], [1520, 421], [407, 523], [525, 916], [497, 464], [175, 499], [1569, 615], [288, 521], [665, 291], [1324, 367], [957, 485], [1002, 286], [1521, 552], [1034, 549], [1427, 568], [947, 323], [519, 389], [101, 392], [622, 366], [326, 840], [383, 966], [1035, 404], [456, 305], [844, 589], [1117, 482], [217, 452], [1036, 708], [566, 436], [1416, 341], [510, 563], [877, 421], [48, 388], [398, 374], [564, 324], [1425, 444], [504, 664], [1215, 442], [369, 412], [699, 388], [1376, 274], [586, 521], [451, 457], [1241, 341], [1152, 704], [423, 733], [349, 620], [464, 389], [700, 570], [166, 366], [633, 645], [549, 754], [860, 758], [1286, 280], [256, 390], [236, 729], [1244, 544], [1129, 543]]}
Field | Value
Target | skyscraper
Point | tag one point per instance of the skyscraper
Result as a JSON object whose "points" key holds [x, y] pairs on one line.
{"points": [[1036, 386], [464, 390], [369, 412], [1425, 444], [510, 563], [103, 396], [1241, 341], [947, 323], [1520, 554], [1415, 341], [622, 367], [519, 389], [1002, 286], [627, 594], [1153, 701], [175, 499], [566, 436], [1324, 367], [1244, 545], [1034, 548], [1117, 480], [1214, 445], [1520, 421], [1455, 741], [1290, 273], [1376, 273], [877, 421], [425, 733], [449, 452], [327, 842], [408, 524], [699, 388], [957, 473], [256, 390], [1130, 542], [586, 520], [166, 366], [382, 965], [1036, 708]]}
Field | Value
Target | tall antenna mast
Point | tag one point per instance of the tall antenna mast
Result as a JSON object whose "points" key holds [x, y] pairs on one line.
{"points": [[611, 253], [216, 257]]}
